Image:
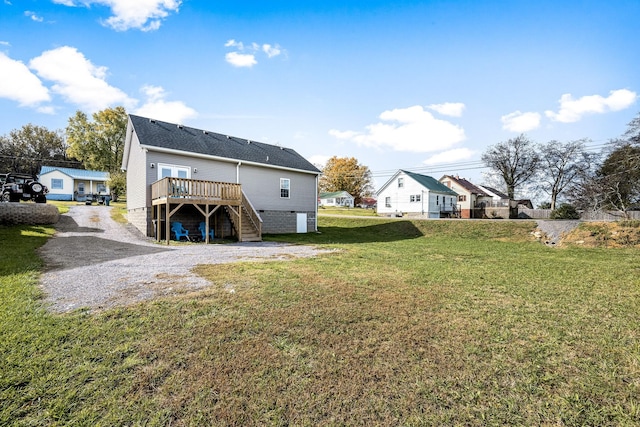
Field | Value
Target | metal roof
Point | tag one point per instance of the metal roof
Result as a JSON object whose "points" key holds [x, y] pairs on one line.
{"points": [[77, 173]]}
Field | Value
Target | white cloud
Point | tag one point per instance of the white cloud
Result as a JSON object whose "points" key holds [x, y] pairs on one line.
{"points": [[145, 15], [271, 51], [4, 43], [33, 16], [521, 122], [453, 109], [157, 107], [241, 59], [78, 80], [406, 129], [571, 110], [319, 160], [450, 156], [18, 83], [233, 43]]}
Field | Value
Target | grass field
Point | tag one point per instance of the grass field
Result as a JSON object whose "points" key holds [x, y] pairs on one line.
{"points": [[403, 323], [336, 210]]}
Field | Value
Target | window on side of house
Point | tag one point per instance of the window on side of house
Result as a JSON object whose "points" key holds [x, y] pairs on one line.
{"points": [[415, 198], [437, 200], [462, 198], [387, 202], [81, 187], [57, 184], [285, 187], [173, 171], [400, 182], [102, 188]]}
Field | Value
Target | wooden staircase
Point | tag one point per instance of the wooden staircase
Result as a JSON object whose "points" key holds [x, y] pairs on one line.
{"points": [[250, 224]]}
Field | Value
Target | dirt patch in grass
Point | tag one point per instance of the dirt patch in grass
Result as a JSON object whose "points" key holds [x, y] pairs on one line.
{"points": [[618, 234]]}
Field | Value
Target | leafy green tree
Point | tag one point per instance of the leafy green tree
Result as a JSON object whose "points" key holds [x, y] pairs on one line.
{"points": [[117, 184], [346, 174], [565, 211], [25, 150], [516, 161], [99, 144]]}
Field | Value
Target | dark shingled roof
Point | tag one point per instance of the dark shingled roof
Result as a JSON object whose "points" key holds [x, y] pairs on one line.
{"points": [[155, 133], [496, 192], [468, 185]]}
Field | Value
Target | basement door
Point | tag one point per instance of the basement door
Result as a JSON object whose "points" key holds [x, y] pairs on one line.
{"points": [[301, 223]]}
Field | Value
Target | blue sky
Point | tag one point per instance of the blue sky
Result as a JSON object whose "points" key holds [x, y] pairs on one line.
{"points": [[419, 85]]}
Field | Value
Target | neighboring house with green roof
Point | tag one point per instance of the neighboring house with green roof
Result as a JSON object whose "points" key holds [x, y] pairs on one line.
{"points": [[415, 194], [73, 184], [336, 198]]}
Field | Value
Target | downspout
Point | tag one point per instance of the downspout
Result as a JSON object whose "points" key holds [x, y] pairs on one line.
{"points": [[316, 202], [238, 172]]}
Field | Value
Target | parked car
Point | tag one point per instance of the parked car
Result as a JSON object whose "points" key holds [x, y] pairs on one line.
{"points": [[18, 186]]}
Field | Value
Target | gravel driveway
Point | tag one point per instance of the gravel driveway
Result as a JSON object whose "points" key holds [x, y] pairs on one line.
{"points": [[95, 263]]}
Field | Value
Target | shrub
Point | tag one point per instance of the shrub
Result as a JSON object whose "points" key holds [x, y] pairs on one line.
{"points": [[565, 211]]}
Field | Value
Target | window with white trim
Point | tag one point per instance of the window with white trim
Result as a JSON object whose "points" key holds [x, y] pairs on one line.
{"points": [[415, 198], [387, 202], [400, 182], [285, 187], [57, 184]]}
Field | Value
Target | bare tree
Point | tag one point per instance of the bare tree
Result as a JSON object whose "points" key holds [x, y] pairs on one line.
{"points": [[632, 135], [516, 161], [620, 177], [561, 165], [615, 184]]}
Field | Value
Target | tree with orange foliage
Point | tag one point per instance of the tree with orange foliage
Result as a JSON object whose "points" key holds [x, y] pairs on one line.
{"points": [[346, 174]]}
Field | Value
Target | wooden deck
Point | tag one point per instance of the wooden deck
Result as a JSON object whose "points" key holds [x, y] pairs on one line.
{"points": [[168, 195]]}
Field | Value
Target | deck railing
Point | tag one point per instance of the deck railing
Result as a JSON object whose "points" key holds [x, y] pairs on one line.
{"points": [[195, 189], [253, 215]]}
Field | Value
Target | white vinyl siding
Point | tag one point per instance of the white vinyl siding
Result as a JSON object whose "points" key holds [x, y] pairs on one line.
{"points": [[173, 171]]}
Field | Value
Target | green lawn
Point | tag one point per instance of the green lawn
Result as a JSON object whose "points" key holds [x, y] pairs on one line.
{"points": [[403, 323], [336, 210]]}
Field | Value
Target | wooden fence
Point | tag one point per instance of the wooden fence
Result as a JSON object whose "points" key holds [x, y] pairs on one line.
{"points": [[525, 213]]}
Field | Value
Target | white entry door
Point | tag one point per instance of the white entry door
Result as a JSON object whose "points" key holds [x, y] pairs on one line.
{"points": [[301, 223]]}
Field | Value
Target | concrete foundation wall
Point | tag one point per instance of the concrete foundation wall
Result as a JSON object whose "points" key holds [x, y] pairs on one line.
{"points": [[276, 222]]}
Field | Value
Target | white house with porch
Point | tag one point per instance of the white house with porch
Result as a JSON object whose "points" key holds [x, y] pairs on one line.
{"points": [[74, 184], [417, 195], [337, 198]]}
